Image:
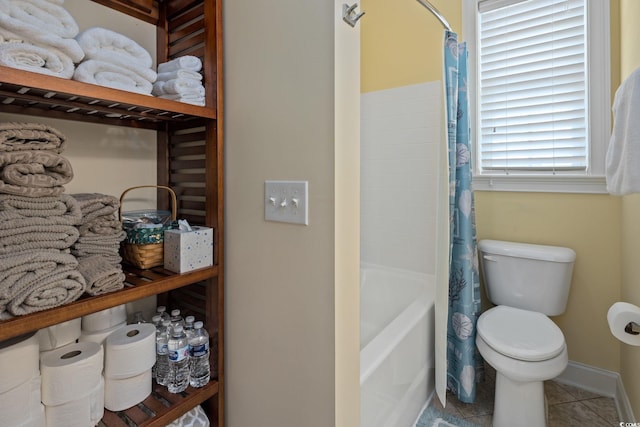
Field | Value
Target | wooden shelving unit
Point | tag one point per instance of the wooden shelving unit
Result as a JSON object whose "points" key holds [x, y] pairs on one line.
{"points": [[190, 161]]}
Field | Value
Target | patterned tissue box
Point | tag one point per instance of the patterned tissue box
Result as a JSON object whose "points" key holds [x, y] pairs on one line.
{"points": [[188, 250]]}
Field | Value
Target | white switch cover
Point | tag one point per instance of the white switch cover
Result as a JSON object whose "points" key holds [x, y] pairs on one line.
{"points": [[286, 201]]}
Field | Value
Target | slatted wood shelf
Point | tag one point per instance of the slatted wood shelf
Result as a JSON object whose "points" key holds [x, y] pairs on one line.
{"points": [[138, 284], [160, 408], [23, 92]]}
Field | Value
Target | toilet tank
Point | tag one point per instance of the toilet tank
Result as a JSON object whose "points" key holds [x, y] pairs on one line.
{"points": [[527, 276]]}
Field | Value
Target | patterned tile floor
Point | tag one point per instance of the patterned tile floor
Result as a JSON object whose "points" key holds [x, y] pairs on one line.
{"points": [[568, 406]]}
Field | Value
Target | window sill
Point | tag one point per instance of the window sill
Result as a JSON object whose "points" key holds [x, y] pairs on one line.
{"points": [[541, 184]]}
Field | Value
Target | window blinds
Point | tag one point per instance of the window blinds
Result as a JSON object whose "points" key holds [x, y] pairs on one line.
{"points": [[532, 85]]}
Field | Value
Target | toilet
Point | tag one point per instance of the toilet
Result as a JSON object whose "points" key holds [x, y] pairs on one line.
{"points": [[527, 283]]}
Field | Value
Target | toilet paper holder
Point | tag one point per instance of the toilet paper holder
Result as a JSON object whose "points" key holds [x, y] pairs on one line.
{"points": [[632, 328]]}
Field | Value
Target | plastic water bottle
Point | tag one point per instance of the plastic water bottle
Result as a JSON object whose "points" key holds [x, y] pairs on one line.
{"points": [[200, 371], [188, 325], [162, 311], [176, 318], [178, 378], [157, 322], [162, 352]]}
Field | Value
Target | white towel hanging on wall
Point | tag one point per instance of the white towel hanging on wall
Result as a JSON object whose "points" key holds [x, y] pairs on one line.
{"points": [[623, 154]]}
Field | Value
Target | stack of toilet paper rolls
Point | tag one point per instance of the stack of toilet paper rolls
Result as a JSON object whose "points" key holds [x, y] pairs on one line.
{"points": [[20, 383], [96, 327], [130, 353], [72, 385]]}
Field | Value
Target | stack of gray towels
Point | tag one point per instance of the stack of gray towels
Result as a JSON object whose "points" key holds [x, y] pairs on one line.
{"points": [[114, 60], [53, 246], [38, 36], [37, 221], [98, 245]]}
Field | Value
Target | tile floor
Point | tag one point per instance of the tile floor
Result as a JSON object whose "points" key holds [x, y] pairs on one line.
{"points": [[568, 406]]}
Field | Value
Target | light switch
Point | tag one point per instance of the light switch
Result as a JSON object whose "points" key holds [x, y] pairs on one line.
{"points": [[286, 201]]}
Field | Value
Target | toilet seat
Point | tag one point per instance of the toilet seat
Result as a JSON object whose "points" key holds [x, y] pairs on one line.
{"points": [[520, 334]]}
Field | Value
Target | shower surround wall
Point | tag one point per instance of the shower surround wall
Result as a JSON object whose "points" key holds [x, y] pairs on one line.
{"points": [[400, 128]]}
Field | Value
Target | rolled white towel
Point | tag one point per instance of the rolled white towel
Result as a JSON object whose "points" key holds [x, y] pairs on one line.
{"points": [[187, 62], [28, 57], [109, 46], [178, 87], [180, 74], [110, 75], [41, 22], [42, 14]]}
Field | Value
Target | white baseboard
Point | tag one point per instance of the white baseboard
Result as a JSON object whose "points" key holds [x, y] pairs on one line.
{"points": [[600, 381]]}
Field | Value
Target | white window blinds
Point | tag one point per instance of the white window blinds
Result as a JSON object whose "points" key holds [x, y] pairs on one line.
{"points": [[532, 86]]}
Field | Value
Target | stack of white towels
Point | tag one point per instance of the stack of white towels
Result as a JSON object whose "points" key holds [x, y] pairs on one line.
{"points": [[38, 36], [114, 60], [180, 80]]}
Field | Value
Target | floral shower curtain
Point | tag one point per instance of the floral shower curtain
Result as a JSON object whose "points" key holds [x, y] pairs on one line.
{"points": [[464, 364]]}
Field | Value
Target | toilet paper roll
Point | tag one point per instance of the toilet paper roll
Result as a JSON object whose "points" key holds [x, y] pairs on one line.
{"points": [[20, 403], [98, 336], [59, 335], [70, 372], [19, 361], [86, 411], [619, 316], [121, 394], [37, 420], [104, 319], [130, 350]]}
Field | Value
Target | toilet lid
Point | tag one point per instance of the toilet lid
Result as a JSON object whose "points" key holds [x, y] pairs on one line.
{"points": [[520, 334]]}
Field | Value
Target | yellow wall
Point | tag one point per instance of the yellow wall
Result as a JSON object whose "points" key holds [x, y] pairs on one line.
{"points": [[401, 45], [630, 60]]}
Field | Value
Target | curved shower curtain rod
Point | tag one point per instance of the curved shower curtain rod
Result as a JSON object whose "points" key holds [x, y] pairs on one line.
{"points": [[437, 14]]}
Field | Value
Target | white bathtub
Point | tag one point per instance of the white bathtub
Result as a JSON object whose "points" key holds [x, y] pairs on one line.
{"points": [[396, 345]]}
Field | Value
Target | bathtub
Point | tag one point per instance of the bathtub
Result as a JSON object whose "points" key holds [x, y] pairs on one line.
{"points": [[396, 345]]}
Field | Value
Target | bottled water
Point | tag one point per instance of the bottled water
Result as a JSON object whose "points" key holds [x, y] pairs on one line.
{"points": [[199, 364], [178, 378], [162, 311], [157, 322], [138, 317], [162, 352], [188, 325], [176, 318]]}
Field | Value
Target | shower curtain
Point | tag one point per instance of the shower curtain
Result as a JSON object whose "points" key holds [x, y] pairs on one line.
{"points": [[464, 364]]}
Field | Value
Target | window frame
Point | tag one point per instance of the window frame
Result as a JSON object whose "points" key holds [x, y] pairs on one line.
{"points": [[599, 104]]}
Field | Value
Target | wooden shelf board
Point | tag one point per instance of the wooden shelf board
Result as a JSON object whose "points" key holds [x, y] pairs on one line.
{"points": [[139, 284]]}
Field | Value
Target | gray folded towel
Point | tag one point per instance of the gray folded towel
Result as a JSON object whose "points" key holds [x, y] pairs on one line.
{"points": [[101, 227], [38, 280], [34, 237], [101, 276], [65, 209], [96, 205], [17, 136], [33, 173]]}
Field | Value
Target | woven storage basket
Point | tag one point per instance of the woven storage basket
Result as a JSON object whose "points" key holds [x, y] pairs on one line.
{"points": [[147, 255]]}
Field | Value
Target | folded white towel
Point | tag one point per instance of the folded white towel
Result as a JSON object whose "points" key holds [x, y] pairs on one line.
{"points": [[109, 46], [187, 62], [623, 154], [195, 100], [28, 57], [110, 75], [9, 37], [178, 87], [180, 74], [42, 23]]}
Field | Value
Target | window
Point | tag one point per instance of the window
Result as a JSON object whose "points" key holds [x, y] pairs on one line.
{"points": [[542, 104]]}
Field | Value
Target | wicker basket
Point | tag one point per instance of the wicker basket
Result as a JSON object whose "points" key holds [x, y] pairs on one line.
{"points": [[149, 255]]}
